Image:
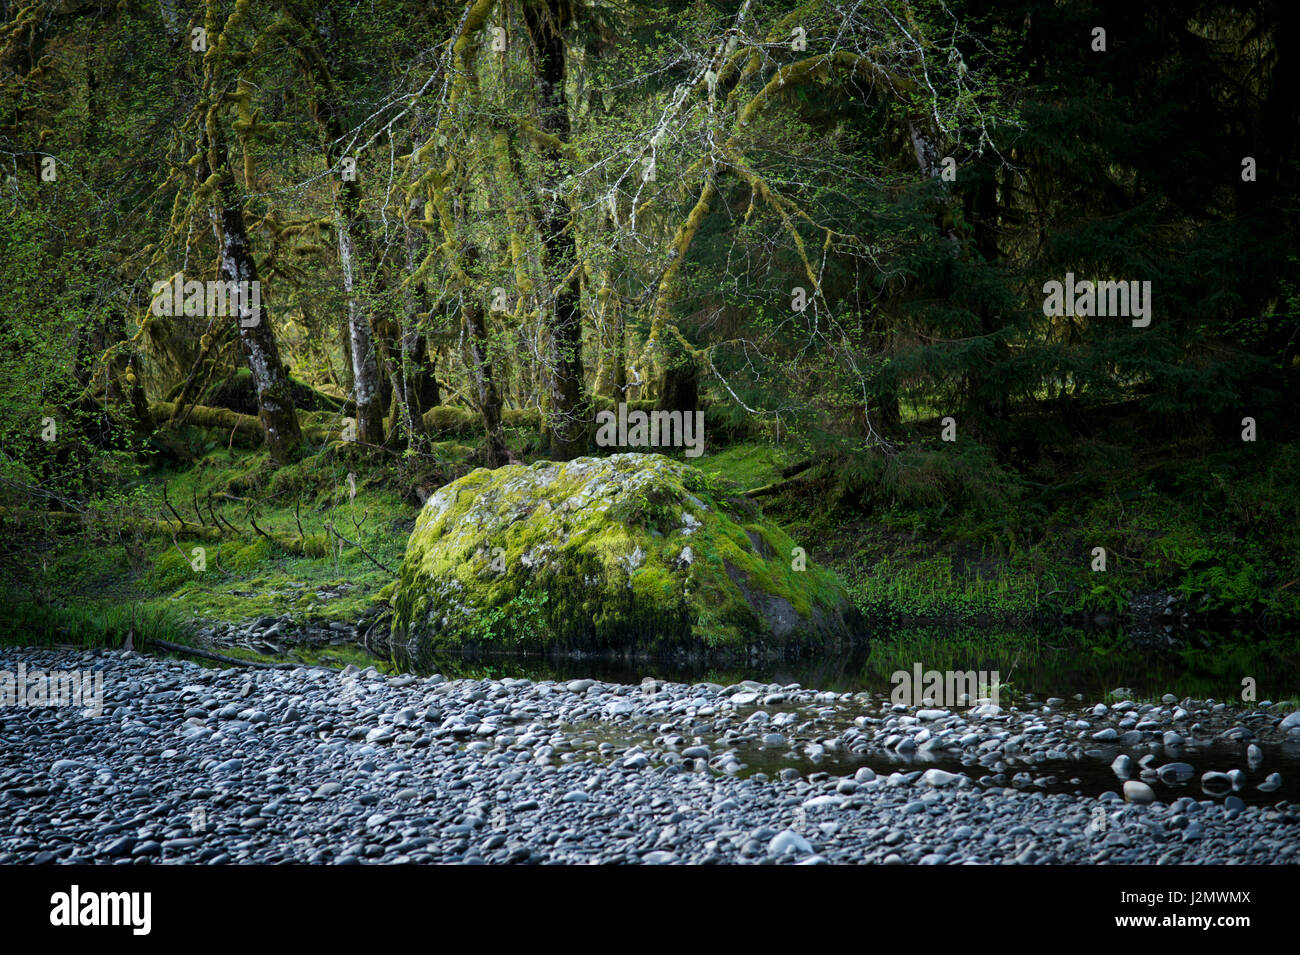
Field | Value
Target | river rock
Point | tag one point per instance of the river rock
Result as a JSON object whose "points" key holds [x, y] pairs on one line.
{"points": [[1172, 773], [1138, 792], [1216, 784], [938, 777], [788, 841]]}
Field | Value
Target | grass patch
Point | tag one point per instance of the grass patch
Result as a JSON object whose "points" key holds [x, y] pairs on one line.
{"points": [[94, 625], [749, 465]]}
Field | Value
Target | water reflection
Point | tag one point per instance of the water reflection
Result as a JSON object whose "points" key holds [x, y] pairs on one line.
{"points": [[1041, 663]]}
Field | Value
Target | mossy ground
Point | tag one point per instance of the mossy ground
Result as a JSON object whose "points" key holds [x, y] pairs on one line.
{"points": [[80, 584], [251, 575], [963, 538]]}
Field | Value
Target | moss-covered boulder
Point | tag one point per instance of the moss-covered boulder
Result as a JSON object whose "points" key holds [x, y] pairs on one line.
{"points": [[632, 554]]}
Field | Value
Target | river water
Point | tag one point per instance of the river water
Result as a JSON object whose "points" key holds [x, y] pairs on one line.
{"points": [[1040, 663], [1032, 667]]}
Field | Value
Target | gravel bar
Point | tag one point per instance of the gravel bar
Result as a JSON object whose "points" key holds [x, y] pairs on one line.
{"points": [[187, 764]]}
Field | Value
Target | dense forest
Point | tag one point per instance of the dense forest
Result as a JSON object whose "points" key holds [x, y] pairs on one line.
{"points": [[963, 291]]}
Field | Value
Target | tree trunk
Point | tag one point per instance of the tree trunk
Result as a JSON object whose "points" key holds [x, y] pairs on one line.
{"points": [[676, 366], [679, 385], [212, 343], [345, 370], [480, 367], [428, 390], [318, 68], [568, 422], [122, 376], [256, 338], [366, 387], [409, 372], [620, 357], [274, 399]]}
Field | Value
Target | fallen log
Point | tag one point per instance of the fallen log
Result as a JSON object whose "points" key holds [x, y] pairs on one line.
{"points": [[227, 421], [205, 416], [776, 488], [218, 657]]}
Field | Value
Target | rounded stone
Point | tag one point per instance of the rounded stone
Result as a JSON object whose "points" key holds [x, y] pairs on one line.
{"points": [[1138, 792]]}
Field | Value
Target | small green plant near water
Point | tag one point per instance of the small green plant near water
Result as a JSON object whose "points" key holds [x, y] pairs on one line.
{"points": [[929, 587], [1008, 694], [1221, 578], [522, 619], [1107, 596]]}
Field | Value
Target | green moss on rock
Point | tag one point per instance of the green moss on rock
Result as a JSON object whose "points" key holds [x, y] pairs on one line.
{"points": [[632, 554]]}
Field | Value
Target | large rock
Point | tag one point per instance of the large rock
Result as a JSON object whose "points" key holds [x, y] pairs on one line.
{"points": [[634, 554]]}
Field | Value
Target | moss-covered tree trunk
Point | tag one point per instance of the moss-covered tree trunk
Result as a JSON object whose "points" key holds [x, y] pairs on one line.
{"points": [[123, 392], [256, 339], [275, 407], [367, 389], [344, 377], [679, 384], [620, 356], [479, 363], [210, 345], [408, 367], [350, 228], [568, 411]]}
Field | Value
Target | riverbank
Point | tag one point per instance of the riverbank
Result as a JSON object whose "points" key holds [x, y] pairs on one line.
{"points": [[193, 764], [228, 539]]}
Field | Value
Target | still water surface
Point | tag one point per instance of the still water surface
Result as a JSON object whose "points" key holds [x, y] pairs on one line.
{"points": [[1032, 667]]}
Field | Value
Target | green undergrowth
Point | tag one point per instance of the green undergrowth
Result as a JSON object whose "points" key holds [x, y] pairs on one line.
{"points": [[930, 586], [1220, 531], [285, 558], [86, 624], [1215, 526], [280, 557]]}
